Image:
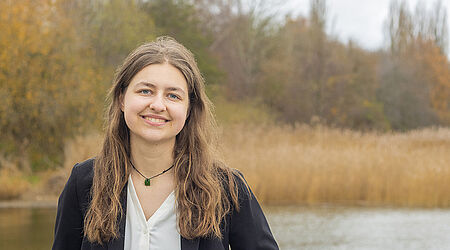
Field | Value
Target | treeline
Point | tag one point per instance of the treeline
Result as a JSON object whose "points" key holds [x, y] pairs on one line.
{"points": [[305, 75], [57, 59]]}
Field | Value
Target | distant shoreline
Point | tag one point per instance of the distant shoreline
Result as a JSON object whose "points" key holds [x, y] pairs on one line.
{"points": [[28, 204]]}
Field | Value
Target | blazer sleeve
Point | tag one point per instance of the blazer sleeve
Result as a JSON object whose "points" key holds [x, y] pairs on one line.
{"points": [[249, 229], [69, 218]]}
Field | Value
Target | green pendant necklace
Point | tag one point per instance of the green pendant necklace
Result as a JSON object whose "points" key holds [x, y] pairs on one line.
{"points": [[147, 180]]}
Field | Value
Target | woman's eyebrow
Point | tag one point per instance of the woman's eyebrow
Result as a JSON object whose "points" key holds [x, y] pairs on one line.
{"points": [[175, 89], [151, 85], [148, 84]]}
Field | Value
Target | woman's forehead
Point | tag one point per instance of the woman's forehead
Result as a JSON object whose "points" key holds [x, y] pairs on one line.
{"points": [[160, 76]]}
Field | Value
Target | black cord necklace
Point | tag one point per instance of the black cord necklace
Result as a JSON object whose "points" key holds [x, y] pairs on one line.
{"points": [[147, 180]]}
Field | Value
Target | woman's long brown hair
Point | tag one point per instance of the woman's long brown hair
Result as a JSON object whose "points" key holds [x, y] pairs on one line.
{"points": [[205, 189]]}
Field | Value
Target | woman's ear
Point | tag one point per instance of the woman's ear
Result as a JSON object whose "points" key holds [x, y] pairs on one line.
{"points": [[188, 112], [121, 97]]}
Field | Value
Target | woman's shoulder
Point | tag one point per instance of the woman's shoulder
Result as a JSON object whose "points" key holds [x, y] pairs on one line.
{"points": [[85, 167], [226, 173], [233, 178], [244, 191], [82, 174]]}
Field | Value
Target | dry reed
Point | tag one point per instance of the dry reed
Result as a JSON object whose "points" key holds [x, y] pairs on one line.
{"points": [[305, 165], [13, 184], [76, 150]]}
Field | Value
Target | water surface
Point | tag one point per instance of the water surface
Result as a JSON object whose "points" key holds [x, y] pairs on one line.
{"points": [[359, 228], [26, 228], [293, 227]]}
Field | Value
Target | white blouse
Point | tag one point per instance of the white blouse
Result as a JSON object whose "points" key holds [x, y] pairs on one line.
{"points": [[159, 232]]}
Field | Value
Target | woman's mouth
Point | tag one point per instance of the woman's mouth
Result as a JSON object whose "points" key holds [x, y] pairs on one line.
{"points": [[154, 121]]}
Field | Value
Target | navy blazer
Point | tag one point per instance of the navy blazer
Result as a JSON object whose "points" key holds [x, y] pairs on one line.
{"points": [[243, 230]]}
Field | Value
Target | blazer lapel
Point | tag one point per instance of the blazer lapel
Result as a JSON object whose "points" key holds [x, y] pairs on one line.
{"points": [[189, 244], [118, 244]]}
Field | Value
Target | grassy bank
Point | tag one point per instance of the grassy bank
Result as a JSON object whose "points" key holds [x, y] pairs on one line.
{"points": [[305, 165]]}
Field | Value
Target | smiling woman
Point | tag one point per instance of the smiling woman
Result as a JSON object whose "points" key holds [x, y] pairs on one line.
{"points": [[156, 184]]}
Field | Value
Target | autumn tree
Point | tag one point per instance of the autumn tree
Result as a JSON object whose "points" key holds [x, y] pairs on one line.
{"points": [[116, 28], [416, 68], [241, 36], [436, 68], [180, 20], [308, 75], [46, 83]]}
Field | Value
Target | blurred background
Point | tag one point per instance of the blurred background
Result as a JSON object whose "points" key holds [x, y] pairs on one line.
{"points": [[337, 112]]}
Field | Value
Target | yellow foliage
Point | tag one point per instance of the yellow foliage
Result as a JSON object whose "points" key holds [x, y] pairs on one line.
{"points": [[45, 86], [439, 72]]}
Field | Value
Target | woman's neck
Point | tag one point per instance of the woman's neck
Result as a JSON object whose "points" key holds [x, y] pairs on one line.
{"points": [[151, 158]]}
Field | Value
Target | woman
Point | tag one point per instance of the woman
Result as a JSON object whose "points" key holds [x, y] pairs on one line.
{"points": [[156, 183]]}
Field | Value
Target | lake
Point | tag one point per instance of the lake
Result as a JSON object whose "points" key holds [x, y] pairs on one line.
{"points": [[359, 228], [325, 227]]}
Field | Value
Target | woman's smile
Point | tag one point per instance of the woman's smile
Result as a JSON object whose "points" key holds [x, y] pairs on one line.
{"points": [[155, 120]]}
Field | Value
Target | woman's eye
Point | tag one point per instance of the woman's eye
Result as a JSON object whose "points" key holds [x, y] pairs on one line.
{"points": [[173, 96], [145, 91]]}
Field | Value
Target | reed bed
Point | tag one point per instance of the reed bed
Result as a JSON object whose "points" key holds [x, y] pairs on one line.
{"points": [[305, 165], [13, 184], [316, 165]]}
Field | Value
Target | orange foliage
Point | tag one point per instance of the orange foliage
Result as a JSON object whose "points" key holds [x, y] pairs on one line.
{"points": [[438, 68]]}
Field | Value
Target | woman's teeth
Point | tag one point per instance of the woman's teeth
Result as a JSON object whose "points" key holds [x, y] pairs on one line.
{"points": [[154, 119]]}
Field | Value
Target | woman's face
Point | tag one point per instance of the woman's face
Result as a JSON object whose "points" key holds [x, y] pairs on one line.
{"points": [[156, 102]]}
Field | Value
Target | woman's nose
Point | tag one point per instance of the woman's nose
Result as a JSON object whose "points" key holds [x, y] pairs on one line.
{"points": [[157, 104]]}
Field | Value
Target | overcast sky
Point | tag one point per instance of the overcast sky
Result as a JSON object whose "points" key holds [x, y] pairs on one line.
{"points": [[360, 20]]}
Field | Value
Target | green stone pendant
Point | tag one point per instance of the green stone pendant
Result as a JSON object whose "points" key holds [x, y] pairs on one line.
{"points": [[147, 182]]}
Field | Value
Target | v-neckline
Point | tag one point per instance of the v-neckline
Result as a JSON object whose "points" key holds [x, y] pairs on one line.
{"points": [[158, 212]]}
